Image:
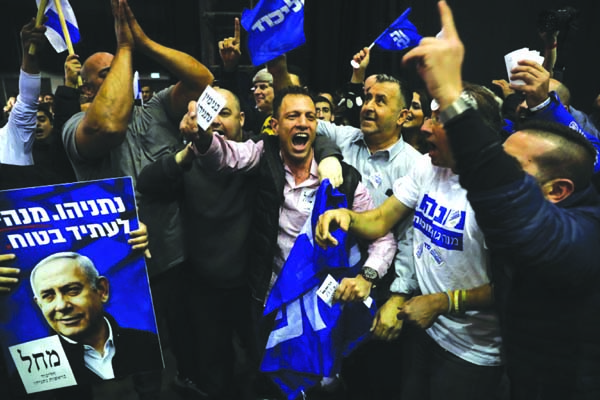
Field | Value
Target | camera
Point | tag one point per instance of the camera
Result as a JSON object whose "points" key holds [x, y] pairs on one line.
{"points": [[556, 20]]}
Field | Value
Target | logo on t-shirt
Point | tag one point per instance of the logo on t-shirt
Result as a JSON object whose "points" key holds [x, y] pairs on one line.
{"points": [[443, 226]]}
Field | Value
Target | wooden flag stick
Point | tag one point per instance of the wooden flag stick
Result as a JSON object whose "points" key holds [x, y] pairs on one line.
{"points": [[38, 22], [63, 25]]}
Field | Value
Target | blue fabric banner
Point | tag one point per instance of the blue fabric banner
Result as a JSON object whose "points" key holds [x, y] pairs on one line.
{"points": [[310, 337], [400, 35], [274, 27]]}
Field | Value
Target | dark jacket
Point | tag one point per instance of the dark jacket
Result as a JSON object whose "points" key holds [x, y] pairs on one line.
{"points": [[135, 351], [265, 226], [546, 268]]}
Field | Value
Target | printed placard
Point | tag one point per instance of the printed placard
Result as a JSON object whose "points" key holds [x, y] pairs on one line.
{"points": [[44, 363], [208, 107], [327, 289], [79, 281]]}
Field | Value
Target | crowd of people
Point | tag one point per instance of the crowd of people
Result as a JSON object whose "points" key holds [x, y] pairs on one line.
{"points": [[476, 207]]}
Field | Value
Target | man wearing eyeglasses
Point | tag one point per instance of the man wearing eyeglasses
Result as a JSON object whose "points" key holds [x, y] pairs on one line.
{"points": [[451, 342]]}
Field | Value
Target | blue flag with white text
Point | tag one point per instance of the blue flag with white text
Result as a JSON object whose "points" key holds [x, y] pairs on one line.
{"points": [[399, 35], [274, 27], [310, 337]]}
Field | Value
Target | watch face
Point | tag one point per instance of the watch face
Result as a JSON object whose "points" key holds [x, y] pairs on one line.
{"points": [[469, 99], [370, 274]]}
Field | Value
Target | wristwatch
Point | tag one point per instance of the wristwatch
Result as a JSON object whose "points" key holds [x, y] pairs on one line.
{"points": [[369, 274], [460, 105]]}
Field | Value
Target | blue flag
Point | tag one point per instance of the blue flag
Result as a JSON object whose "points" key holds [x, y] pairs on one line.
{"points": [[54, 31], [274, 27], [310, 337], [399, 35]]}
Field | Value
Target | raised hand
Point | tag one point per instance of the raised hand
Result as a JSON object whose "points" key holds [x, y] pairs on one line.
{"points": [[439, 60], [139, 36], [72, 70], [122, 28], [537, 81], [189, 123], [229, 48]]}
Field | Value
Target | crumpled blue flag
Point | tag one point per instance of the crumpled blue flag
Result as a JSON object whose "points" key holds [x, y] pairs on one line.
{"points": [[310, 338], [54, 31], [399, 35], [274, 27]]}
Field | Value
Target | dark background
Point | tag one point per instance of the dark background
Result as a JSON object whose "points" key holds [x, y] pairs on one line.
{"points": [[335, 30]]}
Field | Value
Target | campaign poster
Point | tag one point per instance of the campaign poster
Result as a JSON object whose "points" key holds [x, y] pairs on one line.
{"points": [[85, 313]]}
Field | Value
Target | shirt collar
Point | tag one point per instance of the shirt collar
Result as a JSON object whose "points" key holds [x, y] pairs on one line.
{"points": [[109, 340], [391, 152]]}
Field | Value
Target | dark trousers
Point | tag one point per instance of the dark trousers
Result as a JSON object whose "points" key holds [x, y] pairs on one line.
{"points": [[223, 349], [431, 373], [372, 371]]}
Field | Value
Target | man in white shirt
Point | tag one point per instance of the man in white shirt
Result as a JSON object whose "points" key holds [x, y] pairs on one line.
{"points": [[17, 136], [454, 350]]}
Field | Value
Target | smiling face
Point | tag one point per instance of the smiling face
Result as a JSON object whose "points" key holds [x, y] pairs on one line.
{"points": [[415, 116], [70, 303], [263, 96], [230, 119], [296, 125]]}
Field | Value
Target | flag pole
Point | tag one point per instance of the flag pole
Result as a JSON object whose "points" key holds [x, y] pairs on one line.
{"points": [[63, 25], [65, 30], [38, 22], [354, 63]]}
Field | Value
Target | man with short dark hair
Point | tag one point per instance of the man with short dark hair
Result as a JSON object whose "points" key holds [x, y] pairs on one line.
{"points": [[147, 93], [324, 109], [71, 294], [294, 169], [378, 151], [540, 215]]}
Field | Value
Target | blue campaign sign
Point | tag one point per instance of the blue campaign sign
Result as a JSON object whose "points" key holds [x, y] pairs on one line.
{"points": [[76, 224]]}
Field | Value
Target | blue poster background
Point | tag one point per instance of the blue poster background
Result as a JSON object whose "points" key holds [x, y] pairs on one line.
{"points": [[130, 300]]}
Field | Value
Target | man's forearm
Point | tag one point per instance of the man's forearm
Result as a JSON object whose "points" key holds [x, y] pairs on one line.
{"points": [[185, 67], [111, 109]]}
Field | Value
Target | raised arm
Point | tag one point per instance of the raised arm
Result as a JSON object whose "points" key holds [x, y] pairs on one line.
{"points": [[362, 58], [279, 69], [17, 136], [193, 76], [105, 123]]}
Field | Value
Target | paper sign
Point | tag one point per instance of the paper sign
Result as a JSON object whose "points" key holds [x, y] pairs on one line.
{"points": [[512, 60], [328, 288], [43, 364], [209, 105]]}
